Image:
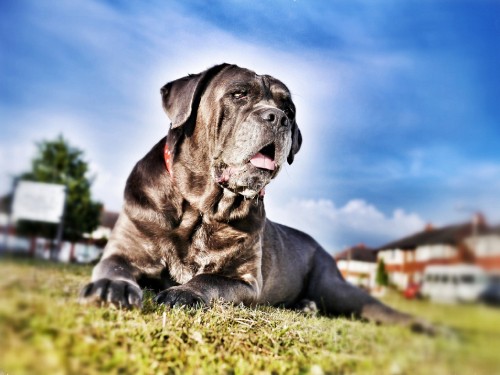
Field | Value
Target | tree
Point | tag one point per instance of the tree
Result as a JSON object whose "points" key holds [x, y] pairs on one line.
{"points": [[382, 277], [58, 162]]}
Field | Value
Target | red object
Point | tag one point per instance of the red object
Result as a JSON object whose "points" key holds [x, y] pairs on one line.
{"points": [[412, 291], [167, 155]]}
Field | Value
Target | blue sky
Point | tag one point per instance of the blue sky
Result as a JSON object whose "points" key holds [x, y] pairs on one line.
{"points": [[398, 101]]}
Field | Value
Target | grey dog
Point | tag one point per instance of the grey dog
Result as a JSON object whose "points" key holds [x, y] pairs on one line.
{"points": [[194, 224]]}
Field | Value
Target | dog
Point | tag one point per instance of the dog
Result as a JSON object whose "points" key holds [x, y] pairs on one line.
{"points": [[194, 224]]}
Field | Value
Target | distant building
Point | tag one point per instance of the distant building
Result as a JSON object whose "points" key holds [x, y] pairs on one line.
{"points": [[473, 243], [87, 250], [107, 222], [358, 265]]}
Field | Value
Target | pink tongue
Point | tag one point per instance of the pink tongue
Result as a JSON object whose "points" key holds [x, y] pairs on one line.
{"points": [[262, 161]]}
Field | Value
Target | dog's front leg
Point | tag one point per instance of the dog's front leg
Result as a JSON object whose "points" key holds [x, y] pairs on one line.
{"points": [[204, 288], [113, 282]]}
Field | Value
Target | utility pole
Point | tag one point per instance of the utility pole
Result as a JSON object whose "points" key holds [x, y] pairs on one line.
{"points": [[60, 227]]}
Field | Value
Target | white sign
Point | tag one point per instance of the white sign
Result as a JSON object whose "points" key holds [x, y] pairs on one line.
{"points": [[39, 201]]}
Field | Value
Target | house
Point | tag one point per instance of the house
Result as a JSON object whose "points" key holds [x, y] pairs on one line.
{"points": [[107, 222], [358, 265], [90, 251], [473, 242], [486, 247]]}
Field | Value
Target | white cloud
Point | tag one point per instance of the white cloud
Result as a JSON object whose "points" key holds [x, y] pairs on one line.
{"points": [[110, 163], [338, 227], [29, 128]]}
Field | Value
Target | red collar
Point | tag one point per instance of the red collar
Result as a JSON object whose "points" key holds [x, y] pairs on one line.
{"points": [[167, 155]]}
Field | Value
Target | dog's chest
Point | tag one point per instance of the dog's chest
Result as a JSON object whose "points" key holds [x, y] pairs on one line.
{"points": [[210, 247]]}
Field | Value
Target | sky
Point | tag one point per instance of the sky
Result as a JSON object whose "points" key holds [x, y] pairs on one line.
{"points": [[398, 101]]}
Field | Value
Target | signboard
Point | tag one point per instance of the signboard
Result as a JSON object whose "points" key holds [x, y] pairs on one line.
{"points": [[39, 201]]}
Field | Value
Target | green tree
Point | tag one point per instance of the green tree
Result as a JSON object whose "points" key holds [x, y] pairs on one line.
{"points": [[58, 162], [382, 277]]}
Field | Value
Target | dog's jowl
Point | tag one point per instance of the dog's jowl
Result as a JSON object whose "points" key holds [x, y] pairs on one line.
{"points": [[194, 224]]}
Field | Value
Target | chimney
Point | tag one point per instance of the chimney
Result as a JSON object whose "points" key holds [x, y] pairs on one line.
{"points": [[479, 220]]}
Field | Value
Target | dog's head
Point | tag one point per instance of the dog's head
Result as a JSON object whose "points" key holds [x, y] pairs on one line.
{"points": [[242, 123]]}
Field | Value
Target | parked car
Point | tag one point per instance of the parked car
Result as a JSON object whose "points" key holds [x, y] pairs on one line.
{"points": [[453, 283], [412, 291]]}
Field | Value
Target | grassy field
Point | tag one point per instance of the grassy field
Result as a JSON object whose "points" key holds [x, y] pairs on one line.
{"points": [[43, 330]]}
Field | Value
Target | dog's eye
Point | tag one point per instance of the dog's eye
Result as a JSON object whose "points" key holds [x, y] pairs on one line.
{"points": [[240, 94]]}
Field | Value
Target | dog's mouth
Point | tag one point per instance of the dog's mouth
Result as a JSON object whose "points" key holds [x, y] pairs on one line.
{"points": [[264, 159], [250, 177]]}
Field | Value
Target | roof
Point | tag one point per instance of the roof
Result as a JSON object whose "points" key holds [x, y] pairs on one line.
{"points": [[449, 235], [108, 219], [359, 252], [495, 230]]}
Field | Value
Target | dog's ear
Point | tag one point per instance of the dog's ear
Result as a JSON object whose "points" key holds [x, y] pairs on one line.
{"points": [[181, 97], [296, 142]]}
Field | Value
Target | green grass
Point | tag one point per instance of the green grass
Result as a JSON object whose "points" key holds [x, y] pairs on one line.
{"points": [[43, 330]]}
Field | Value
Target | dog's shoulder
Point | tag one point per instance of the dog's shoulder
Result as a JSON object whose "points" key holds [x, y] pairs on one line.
{"points": [[290, 236], [148, 175]]}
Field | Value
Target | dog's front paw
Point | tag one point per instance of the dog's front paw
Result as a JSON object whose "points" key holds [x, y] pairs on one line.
{"points": [[119, 293], [180, 296]]}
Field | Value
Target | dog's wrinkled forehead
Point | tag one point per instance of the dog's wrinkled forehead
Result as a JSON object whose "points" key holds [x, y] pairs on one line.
{"points": [[263, 86]]}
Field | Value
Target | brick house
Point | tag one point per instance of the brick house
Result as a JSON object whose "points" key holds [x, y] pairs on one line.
{"points": [[474, 242], [358, 265]]}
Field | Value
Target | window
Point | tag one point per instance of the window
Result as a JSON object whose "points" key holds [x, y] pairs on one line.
{"points": [[467, 279]]}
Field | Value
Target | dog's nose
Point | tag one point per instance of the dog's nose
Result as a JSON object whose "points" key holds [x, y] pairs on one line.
{"points": [[274, 117]]}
